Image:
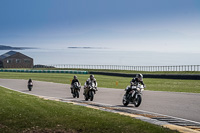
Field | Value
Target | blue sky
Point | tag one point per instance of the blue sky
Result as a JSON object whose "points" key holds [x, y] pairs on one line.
{"points": [[137, 25]]}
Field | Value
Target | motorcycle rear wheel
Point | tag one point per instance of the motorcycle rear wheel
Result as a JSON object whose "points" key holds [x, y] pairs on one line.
{"points": [[124, 101]]}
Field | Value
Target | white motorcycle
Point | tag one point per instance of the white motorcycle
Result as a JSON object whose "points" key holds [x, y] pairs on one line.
{"points": [[90, 93]]}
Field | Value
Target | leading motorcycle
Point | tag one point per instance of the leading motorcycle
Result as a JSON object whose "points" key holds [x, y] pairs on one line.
{"points": [[134, 96]]}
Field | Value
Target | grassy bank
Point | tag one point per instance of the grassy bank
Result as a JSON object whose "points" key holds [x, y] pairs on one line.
{"points": [[124, 71], [120, 71], [25, 113], [192, 86]]}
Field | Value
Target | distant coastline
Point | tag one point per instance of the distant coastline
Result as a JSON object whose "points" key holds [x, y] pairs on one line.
{"points": [[3, 47], [86, 47]]}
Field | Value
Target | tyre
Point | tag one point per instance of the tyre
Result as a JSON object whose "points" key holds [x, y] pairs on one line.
{"points": [[74, 95], [91, 94], [124, 101], [86, 97], [77, 94], [29, 88], [138, 101]]}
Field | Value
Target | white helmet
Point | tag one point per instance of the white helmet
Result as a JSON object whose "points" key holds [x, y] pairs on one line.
{"points": [[139, 76], [91, 77]]}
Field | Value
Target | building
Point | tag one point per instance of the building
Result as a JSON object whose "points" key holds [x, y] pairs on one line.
{"points": [[13, 59]]}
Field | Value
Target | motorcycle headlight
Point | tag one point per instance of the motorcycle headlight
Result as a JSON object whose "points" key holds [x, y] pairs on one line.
{"points": [[133, 87]]}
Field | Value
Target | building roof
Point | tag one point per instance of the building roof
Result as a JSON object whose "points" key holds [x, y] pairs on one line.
{"points": [[10, 53]]}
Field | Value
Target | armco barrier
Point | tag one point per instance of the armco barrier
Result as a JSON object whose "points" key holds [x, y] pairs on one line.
{"points": [[44, 71], [163, 76]]}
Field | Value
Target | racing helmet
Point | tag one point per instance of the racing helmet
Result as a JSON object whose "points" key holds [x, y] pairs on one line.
{"points": [[75, 77], [139, 76], [91, 77]]}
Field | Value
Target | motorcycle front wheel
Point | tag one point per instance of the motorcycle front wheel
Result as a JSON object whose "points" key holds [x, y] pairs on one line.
{"points": [[138, 101], [77, 94], [74, 93], [91, 94], [86, 97], [29, 88]]}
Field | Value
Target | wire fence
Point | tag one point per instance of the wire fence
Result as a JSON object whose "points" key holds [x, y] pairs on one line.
{"points": [[132, 68]]}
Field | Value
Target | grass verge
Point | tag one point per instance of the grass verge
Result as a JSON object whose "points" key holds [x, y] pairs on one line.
{"points": [[25, 113], [173, 85], [123, 71], [119, 71]]}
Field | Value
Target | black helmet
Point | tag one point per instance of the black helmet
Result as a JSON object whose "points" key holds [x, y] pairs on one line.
{"points": [[139, 76], [75, 77], [91, 77]]}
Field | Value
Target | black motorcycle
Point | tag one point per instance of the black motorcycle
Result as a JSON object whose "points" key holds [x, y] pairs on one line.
{"points": [[30, 86], [134, 96], [90, 94], [76, 90]]}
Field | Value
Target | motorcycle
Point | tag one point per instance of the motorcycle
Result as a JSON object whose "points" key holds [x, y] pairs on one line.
{"points": [[90, 94], [30, 86], [134, 96], [76, 90]]}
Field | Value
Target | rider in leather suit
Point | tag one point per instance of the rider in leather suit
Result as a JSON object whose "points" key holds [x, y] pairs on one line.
{"points": [[137, 80], [88, 82]]}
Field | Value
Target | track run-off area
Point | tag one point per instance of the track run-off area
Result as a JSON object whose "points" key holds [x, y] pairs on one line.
{"points": [[161, 108]]}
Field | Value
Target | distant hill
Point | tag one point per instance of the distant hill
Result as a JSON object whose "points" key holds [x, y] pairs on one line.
{"points": [[87, 48], [3, 47]]}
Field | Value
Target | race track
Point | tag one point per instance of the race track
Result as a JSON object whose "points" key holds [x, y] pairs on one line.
{"points": [[182, 105]]}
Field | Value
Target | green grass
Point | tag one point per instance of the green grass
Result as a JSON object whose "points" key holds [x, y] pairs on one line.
{"points": [[174, 85], [25, 113], [120, 71], [123, 71]]}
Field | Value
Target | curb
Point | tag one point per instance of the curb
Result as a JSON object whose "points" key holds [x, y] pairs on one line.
{"points": [[146, 119]]}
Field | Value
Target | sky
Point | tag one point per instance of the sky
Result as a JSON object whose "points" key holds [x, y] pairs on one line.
{"points": [[136, 25]]}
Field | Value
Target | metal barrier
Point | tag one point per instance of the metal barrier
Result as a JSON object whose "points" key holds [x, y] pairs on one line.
{"points": [[160, 76], [132, 68], [44, 71]]}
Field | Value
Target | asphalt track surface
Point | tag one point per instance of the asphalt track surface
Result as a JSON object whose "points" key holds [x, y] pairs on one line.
{"points": [[181, 105]]}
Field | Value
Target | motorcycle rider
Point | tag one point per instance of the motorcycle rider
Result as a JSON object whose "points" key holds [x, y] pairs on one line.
{"points": [[135, 81], [88, 82], [30, 83], [73, 81]]}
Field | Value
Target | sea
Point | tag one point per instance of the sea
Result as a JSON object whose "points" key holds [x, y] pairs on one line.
{"points": [[108, 57]]}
